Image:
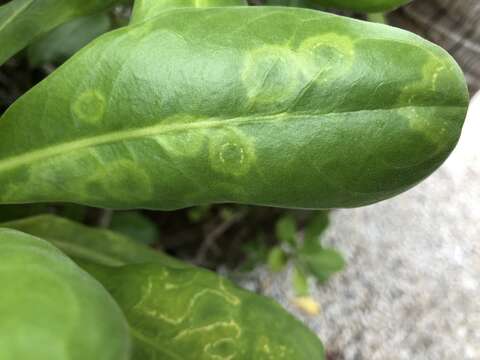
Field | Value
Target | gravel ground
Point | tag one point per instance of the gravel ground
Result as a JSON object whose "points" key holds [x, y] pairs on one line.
{"points": [[412, 286]]}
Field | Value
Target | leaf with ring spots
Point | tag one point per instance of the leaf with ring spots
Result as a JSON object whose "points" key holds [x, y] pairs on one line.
{"points": [[189, 108]]}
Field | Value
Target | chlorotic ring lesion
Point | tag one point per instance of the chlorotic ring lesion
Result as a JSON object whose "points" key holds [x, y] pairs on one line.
{"points": [[231, 152], [89, 106], [329, 54], [272, 74]]}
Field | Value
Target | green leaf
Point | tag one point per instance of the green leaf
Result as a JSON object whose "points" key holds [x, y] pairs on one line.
{"points": [[136, 226], [195, 314], [181, 314], [316, 226], [286, 230], [65, 40], [364, 5], [315, 111], [226, 214], [322, 263], [297, 3], [197, 213], [147, 9], [52, 309], [377, 17], [300, 281], [23, 21], [256, 253], [80, 242], [276, 259]]}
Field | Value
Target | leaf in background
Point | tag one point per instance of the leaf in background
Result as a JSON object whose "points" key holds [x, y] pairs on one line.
{"points": [[286, 230], [146, 9], [322, 263], [256, 253], [276, 259], [135, 225], [194, 314], [80, 242], [315, 227], [295, 3], [189, 108], [51, 309], [363, 5], [300, 281], [23, 21], [65, 40], [198, 213]]}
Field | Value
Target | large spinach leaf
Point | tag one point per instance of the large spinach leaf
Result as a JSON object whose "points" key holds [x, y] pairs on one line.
{"points": [[259, 105]]}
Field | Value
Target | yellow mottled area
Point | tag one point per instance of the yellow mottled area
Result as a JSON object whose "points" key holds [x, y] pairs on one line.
{"points": [[123, 180], [276, 74], [433, 69], [269, 350], [341, 45], [272, 74], [174, 309], [231, 152], [185, 144], [89, 106], [434, 129], [179, 307], [432, 72], [329, 55]]}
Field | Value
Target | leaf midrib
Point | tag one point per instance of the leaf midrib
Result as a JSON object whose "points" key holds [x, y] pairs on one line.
{"points": [[159, 129], [97, 257]]}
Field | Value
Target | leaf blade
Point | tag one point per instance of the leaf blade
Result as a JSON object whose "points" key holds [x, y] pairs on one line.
{"points": [[100, 246], [22, 21], [115, 111], [183, 325]]}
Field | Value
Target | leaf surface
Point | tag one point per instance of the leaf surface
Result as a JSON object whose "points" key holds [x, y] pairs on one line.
{"points": [[146, 9], [195, 314], [81, 242], [255, 105], [66, 39], [314, 229], [135, 226], [322, 262], [50, 309]]}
